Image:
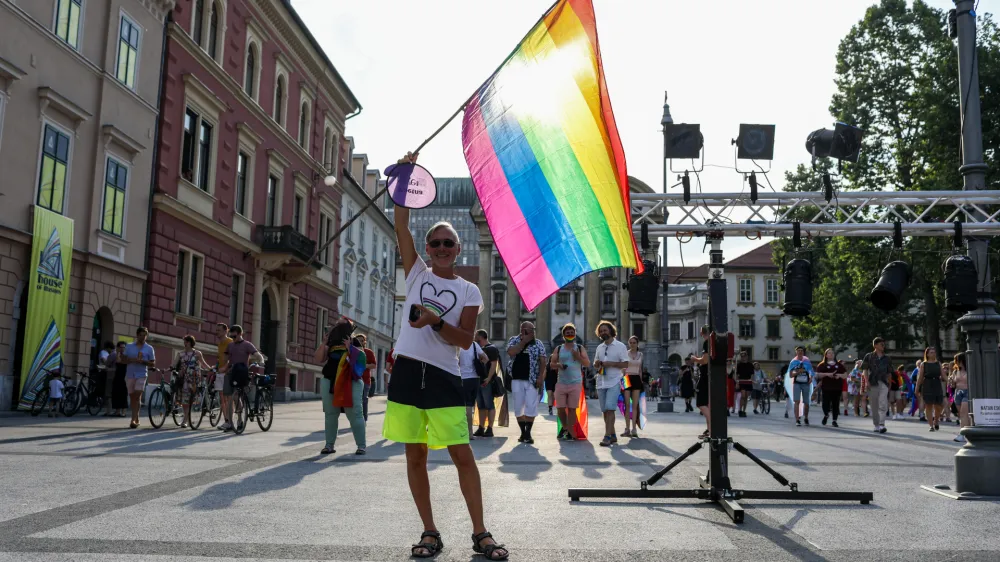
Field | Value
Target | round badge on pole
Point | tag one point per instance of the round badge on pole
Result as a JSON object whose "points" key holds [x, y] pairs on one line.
{"points": [[410, 185]]}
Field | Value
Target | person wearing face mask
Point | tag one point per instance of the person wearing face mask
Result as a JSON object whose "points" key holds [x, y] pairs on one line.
{"points": [[610, 360], [569, 359], [426, 406], [831, 375], [528, 362]]}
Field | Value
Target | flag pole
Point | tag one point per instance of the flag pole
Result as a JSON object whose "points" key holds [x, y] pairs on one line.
{"points": [[493, 74]]}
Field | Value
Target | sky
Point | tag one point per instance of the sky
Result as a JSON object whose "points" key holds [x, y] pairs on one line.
{"points": [[413, 64]]}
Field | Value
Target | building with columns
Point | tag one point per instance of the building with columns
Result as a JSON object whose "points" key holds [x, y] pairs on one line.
{"points": [[368, 258], [79, 99], [252, 119], [586, 301]]}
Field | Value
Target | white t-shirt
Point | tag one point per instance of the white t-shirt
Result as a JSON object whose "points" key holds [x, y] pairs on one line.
{"points": [[102, 359], [55, 389], [614, 353], [447, 298], [465, 364]]}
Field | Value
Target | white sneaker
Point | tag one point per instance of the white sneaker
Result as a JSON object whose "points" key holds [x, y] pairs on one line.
{"points": [[959, 439]]}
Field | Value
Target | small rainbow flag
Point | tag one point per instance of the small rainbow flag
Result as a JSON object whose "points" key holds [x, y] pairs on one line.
{"points": [[544, 154]]}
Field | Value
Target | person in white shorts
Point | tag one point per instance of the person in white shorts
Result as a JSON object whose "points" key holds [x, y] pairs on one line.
{"points": [[610, 360], [527, 359]]}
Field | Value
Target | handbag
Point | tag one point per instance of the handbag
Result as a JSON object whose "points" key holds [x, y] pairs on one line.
{"points": [[496, 386]]}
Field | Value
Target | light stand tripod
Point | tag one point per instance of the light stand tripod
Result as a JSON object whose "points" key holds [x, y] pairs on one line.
{"points": [[715, 486]]}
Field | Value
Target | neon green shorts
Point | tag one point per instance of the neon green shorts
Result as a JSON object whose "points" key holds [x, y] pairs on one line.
{"points": [[425, 405]]}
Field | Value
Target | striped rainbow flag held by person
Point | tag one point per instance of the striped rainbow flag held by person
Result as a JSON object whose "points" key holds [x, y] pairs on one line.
{"points": [[544, 154]]}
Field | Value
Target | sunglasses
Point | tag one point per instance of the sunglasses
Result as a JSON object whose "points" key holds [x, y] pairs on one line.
{"points": [[447, 243]]}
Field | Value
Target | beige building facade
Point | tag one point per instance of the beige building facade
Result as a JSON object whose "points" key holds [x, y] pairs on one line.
{"points": [[79, 88]]}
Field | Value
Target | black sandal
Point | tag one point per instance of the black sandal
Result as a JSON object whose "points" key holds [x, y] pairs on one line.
{"points": [[327, 450], [489, 549], [432, 548]]}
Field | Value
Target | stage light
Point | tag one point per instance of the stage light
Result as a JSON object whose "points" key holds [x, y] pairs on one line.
{"points": [[756, 142], [798, 288], [842, 143], [682, 141], [888, 292], [960, 277]]}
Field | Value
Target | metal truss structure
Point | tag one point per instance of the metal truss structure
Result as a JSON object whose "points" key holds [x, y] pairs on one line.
{"points": [[856, 213]]}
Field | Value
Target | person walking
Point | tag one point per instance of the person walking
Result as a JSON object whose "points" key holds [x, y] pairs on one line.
{"points": [[139, 356], [632, 388], [119, 389], [960, 378], [225, 390], [831, 373], [854, 387], [758, 386], [189, 364], [471, 378], [425, 405], [342, 387], [235, 369], [570, 358], [687, 383], [744, 378], [490, 388], [896, 393], [610, 360], [371, 363], [929, 388], [877, 371], [527, 371], [802, 373]]}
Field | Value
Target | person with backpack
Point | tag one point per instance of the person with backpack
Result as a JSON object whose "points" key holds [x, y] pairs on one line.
{"points": [[472, 363], [342, 387], [568, 360], [490, 387]]}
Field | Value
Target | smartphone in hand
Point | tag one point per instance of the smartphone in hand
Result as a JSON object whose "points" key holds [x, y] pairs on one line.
{"points": [[414, 313]]}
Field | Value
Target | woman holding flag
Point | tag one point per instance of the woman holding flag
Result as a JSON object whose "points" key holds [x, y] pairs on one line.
{"points": [[426, 407]]}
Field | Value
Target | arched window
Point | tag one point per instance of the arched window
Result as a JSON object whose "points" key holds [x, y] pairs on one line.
{"points": [[328, 150], [304, 126], [199, 21], [213, 30], [279, 99], [251, 72]]}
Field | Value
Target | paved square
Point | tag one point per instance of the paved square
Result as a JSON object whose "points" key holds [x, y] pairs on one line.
{"points": [[87, 489]]}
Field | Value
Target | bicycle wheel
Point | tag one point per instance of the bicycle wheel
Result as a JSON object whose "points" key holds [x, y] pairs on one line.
{"points": [[38, 404], [766, 404], [214, 409], [176, 412], [157, 408], [241, 411], [72, 400], [197, 408], [94, 405], [265, 409]]}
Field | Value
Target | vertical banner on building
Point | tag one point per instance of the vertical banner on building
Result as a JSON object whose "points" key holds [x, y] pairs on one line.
{"points": [[48, 300]]}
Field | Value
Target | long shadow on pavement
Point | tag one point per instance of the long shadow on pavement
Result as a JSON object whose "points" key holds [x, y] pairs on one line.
{"points": [[525, 462], [222, 495]]}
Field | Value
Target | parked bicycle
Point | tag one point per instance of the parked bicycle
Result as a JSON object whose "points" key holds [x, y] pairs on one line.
{"points": [[162, 400], [206, 401], [260, 393], [84, 392]]}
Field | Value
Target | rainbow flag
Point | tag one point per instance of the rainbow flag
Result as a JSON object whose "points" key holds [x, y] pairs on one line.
{"points": [[544, 154]]}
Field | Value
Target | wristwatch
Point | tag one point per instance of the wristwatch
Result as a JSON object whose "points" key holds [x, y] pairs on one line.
{"points": [[437, 327]]}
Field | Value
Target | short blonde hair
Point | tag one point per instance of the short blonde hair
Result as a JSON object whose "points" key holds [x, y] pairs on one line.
{"points": [[445, 225]]}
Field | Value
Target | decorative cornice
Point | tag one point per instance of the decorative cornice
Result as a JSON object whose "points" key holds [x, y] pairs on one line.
{"points": [[192, 81], [159, 8], [247, 130], [116, 135], [176, 209], [10, 71], [49, 97], [275, 155]]}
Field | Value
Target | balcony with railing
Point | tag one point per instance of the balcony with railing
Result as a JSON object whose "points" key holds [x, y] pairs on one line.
{"points": [[284, 248]]}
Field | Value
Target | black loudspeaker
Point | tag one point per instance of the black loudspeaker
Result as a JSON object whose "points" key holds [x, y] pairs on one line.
{"points": [[642, 289], [960, 284], [717, 299], [889, 289], [798, 288]]}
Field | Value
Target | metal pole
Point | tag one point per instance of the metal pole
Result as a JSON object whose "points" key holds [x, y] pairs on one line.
{"points": [[666, 403], [978, 462]]}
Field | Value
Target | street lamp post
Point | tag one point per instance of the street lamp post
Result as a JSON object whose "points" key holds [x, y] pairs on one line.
{"points": [[666, 403], [978, 462]]}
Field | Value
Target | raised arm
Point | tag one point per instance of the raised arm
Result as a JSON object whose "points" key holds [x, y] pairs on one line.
{"points": [[404, 240]]}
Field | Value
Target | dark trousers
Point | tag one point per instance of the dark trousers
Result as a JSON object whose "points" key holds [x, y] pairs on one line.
{"points": [[831, 401]]}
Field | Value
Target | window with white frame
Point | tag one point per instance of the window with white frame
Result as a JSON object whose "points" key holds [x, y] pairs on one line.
{"points": [[304, 126], [773, 353], [271, 207], [128, 52], [250, 72], [187, 299], [360, 286], [498, 268], [771, 295], [212, 42], [325, 231], [350, 229], [381, 306], [746, 290], [347, 286], [675, 331], [361, 235], [499, 300], [53, 173], [280, 93], [329, 150], [322, 319], [748, 327], [385, 255], [196, 149], [375, 245], [297, 213], [607, 301], [115, 185], [496, 330], [237, 287], [293, 319], [242, 171], [371, 299], [198, 21], [562, 301], [69, 16]]}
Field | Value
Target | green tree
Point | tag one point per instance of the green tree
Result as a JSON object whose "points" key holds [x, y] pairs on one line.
{"points": [[897, 78]]}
